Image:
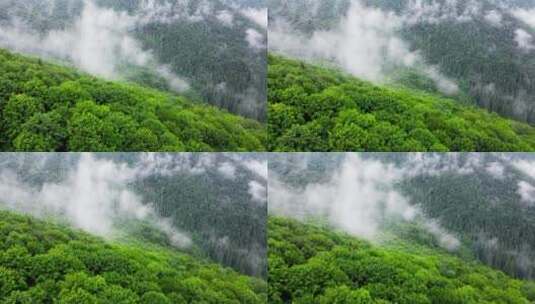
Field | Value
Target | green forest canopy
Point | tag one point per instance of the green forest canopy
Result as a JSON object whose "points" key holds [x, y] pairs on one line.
{"points": [[47, 107], [321, 109], [209, 54], [42, 262], [309, 264]]}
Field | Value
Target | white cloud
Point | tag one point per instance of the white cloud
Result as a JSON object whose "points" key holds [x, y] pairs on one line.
{"points": [[258, 167], [524, 39], [527, 193], [445, 239], [440, 11], [358, 198], [525, 166], [364, 43], [496, 170], [226, 17], [258, 191], [259, 16], [254, 38], [99, 42], [228, 170], [525, 15], [494, 17], [92, 197]]}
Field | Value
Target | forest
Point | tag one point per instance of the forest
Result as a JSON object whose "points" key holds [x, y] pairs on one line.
{"points": [[458, 213], [315, 108], [43, 262], [311, 263], [485, 47], [50, 107], [217, 209], [212, 45]]}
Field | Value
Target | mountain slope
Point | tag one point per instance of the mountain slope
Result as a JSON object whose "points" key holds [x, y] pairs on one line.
{"points": [[308, 264], [211, 198], [485, 46], [321, 109], [212, 45], [487, 210], [46, 107], [42, 262], [484, 201]]}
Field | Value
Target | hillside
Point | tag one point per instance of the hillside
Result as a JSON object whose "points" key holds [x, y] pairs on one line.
{"points": [[47, 107], [310, 264], [214, 199], [482, 201], [485, 46], [41, 262], [312, 108], [490, 211], [213, 46]]}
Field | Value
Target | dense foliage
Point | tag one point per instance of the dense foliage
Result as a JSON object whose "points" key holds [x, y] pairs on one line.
{"points": [[45, 263], [484, 57], [485, 209], [320, 109], [218, 212], [45, 107], [308, 264], [216, 59]]}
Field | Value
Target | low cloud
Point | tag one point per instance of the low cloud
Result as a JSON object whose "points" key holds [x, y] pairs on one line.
{"points": [[365, 43], [225, 17], [254, 38], [228, 170], [359, 198], [527, 193], [92, 197], [525, 15], [257, 15], [258, 191], [99, 42], [494, 17], [496, 170], [524, 40]]}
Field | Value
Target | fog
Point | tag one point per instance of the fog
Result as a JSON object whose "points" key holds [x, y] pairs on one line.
{"points": [[94, 192], [99, 42], [360, 198], [365, 42], [93, 197]]}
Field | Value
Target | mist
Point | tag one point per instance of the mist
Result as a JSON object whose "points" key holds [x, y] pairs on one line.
{"points": [[360, 198], [94, 196], [365, 42], [99, 42]]}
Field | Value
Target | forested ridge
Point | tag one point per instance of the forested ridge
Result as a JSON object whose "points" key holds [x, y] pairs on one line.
{"points": [[42, 262], [309, 263], [475, 43], [187, 36], [48, 107], [217, 211], [225, 222], [487, 211], [482, 199], [312, 108]]}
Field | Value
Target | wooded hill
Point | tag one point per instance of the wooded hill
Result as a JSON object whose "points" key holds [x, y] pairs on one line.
{"points": [[42, 262], [48, 107], [215, 58], [313, 264], [313, 108], [481, 53]]}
